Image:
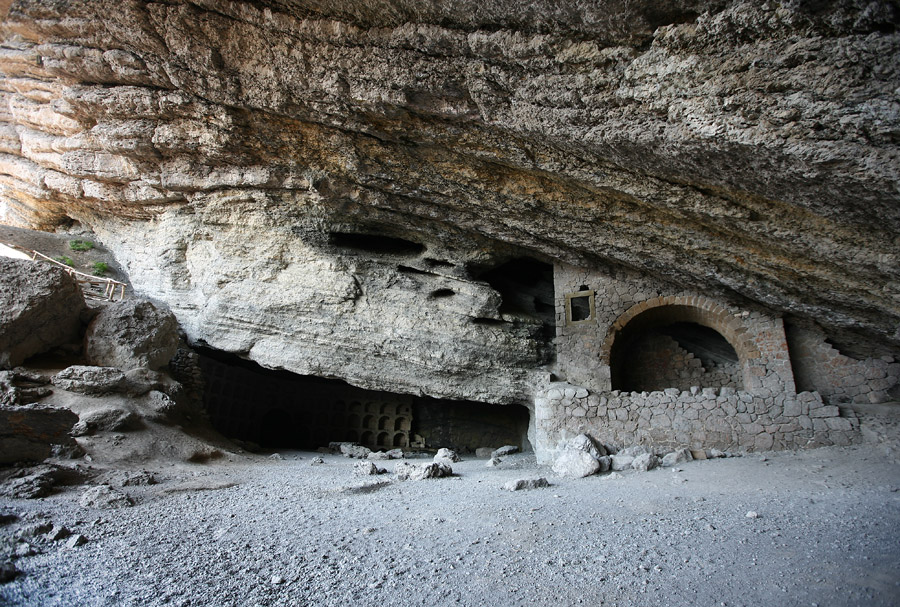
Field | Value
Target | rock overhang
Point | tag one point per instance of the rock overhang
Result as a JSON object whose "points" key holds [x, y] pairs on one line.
{"points": [[744, 151]]}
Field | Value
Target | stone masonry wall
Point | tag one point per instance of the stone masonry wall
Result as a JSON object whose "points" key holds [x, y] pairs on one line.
{"points": [[821, 367], [697, 418], [659, 362], [583, 348]]}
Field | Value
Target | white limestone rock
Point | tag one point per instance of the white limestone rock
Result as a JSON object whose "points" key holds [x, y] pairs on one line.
{"points": [[575, 464]]}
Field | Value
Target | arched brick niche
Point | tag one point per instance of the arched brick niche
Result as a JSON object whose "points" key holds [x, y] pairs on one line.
{"points": [[647, 347]]}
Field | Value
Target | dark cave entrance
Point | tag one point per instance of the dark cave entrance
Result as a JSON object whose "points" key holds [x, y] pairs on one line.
{"points": [[283, 410]]}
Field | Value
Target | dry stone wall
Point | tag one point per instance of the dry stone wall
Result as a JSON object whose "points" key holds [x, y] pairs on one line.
{"points": [[585, 348], [697, 418], [838, 378]]}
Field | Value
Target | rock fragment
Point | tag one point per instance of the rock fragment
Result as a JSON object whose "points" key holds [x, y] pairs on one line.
{"points": [[446, 455], [679, 456], [645, 462], [576, 464], [414, 472], [367, 468], [354, 450], [104, 497], [504, 451], [522, 483], [91, 381]]}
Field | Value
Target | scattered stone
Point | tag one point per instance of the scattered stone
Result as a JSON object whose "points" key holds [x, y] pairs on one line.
{"points": [[58, 532], [354, 450], [715, 453], [8, 572], [612, 476], [448, 455], [586, 443], [645, 462], [104, 497], [277, 580], [413, 472], [34, 530], [277, 457], [367, 468], [621, 462], [636, 450], [484, 452], [679, 456], [40, 309], [378, 455], [76, 540], [493, 462], [576, 464], [163, 408], [130, 334], [605, 463], [699, 454], [34, 483], [91, 381], [504, 451], [107, 419], [531, 483], [138, 479], [395, 454], [316, 461], [752, 514]]}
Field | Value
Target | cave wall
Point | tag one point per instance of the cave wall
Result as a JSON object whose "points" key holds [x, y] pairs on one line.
{"points": [[323, 189]]}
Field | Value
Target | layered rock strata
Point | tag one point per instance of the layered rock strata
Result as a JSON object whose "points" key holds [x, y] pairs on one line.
{"points": [[323, 189]]}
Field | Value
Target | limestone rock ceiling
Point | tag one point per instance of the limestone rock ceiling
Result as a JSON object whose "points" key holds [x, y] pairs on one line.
{"points": [[740, 148]]}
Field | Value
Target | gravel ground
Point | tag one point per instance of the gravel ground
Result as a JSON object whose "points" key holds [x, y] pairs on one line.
{"points": [[262, 531]]}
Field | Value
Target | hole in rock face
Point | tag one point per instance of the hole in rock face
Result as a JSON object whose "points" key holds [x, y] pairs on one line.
{"points": [[526, 288], [442, 293], [376, 244], [283, 410], [674, 355]]}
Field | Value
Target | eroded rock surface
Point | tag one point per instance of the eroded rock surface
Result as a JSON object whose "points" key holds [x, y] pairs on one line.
{"points": [[40, 309], [132, 334], [325, 189]]}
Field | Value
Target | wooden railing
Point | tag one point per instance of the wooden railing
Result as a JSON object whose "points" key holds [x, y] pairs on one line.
{"points": [[93, 287]]}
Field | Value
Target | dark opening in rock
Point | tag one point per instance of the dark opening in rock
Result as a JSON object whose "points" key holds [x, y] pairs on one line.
{"points": [[526, 286], [375, 244], [279, 409]]}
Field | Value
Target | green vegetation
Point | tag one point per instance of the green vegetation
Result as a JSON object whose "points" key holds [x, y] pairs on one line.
{"points": [[81, 245], [66, 260], [100, 268]]}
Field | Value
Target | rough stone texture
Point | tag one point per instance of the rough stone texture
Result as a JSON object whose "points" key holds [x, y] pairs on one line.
{"points": [[414, 472], [821, 367], [40, 309], [585, 443], [679, 456], [90, 380], [721, 419], [131, 334], [740, 148], [526, 483], [446, 454], [645, 462], [28, 432], [104, 497], [574, 463], [328, 190]]}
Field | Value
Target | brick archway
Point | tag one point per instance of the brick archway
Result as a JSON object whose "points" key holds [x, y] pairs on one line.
{"points": [[695, 309]]}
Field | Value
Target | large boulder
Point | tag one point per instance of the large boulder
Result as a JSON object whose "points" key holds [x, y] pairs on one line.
{"points": [[29, 432], [40, 309], [574, 463], [131, 334]]}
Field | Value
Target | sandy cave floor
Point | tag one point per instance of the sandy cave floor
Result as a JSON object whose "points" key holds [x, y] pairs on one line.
{"points": [[260, 531]]}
